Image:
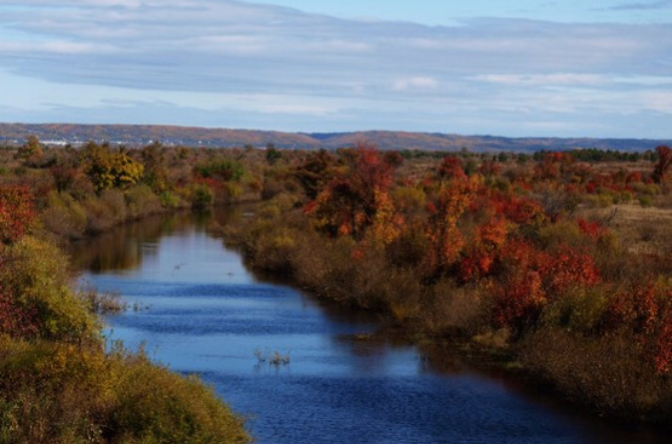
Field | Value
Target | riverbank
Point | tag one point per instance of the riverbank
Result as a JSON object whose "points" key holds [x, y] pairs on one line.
{"points": [[213, 316], [568, 345], [59, 380]]}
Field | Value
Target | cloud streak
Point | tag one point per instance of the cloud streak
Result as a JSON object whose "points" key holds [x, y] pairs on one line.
{"points": [[317, 68], [643, 6]]}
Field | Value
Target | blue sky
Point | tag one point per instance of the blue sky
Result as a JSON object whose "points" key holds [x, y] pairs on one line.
{"points": [[569, 68]]}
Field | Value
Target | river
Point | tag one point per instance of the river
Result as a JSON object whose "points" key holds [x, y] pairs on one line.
{"points": [[195, 307]]}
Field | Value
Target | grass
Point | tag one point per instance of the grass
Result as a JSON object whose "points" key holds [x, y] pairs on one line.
{"points": [[274, 358], [641, 230]]}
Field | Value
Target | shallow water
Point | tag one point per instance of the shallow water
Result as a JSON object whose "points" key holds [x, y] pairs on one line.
{"points": [[199, 310]]}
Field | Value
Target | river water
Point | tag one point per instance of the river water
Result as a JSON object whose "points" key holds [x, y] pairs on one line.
{"points": [[196, 308]]}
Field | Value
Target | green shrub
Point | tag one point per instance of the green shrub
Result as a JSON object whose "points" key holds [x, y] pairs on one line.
{"points": [[224, 170], [202, 196], [645, 201], [233, 191], [170, 200]]}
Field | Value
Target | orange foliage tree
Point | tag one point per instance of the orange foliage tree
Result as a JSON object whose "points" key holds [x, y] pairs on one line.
{"points": [[455, 193], [352, 200]]}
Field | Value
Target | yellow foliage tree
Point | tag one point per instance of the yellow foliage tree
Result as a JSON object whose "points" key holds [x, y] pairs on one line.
{"points": [[109, 169]]}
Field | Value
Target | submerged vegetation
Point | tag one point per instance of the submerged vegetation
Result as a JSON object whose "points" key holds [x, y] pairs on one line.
{"points": [[559, 262]]}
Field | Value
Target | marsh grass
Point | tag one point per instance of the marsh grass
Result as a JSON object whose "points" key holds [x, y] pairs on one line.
{"points": [[105, 303], [273, 358]]}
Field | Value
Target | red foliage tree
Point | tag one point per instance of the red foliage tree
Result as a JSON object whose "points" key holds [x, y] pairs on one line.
{"points": [[531, 278], [451, 169], [552, 166], [591, 229], [15, 320], [488, 238], [350, 202], [645, 312], [570, 267], [662, 357], [17, 212], [519, 300]]}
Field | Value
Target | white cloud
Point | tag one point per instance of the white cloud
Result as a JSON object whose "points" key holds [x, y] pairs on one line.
{"points": [[415, 83], [542, 79], [218, 54]]}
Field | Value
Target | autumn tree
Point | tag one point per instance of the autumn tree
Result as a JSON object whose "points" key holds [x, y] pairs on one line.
{"points": [[31, 152], [456, 191], [645, 312], [663, 164], [272, 154], [315, 172], [155, 167], [350, 202], [109, 169], [530, 278], [223, 170], [17, 212], [15, 320]]}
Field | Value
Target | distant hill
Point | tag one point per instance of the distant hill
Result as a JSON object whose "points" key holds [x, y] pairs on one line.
{"points": [[135, 135]]}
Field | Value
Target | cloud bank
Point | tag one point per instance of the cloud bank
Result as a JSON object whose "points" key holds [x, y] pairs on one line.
{"points": [[210, 62]]}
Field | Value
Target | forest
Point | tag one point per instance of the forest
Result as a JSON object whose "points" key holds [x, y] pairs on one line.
{"points": [[555, 267]]}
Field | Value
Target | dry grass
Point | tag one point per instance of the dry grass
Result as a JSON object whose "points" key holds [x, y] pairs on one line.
{"points": [[641, 230], [606, 373]]}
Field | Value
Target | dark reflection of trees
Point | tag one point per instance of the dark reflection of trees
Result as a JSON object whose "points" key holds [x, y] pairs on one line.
{"points": [[443, 359], [124, 247]]}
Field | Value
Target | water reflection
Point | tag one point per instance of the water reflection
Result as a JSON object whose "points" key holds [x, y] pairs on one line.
{"points": [[127, 246]]}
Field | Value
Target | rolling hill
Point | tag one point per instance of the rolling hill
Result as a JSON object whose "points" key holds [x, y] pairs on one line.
{"points": [[135, 135]]}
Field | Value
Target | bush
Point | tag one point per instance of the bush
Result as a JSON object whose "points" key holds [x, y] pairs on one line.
{"points": [[64, 216], [35, 273], [157, 406], [224, 170], [64, 394], [17, 212], [202, 196], [645, 201], [99, 216], [114, 200], [605, 372], [142, 202], [170, 200]]}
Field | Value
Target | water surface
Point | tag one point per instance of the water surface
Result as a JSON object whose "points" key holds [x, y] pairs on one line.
{"points": [[199, 310]]}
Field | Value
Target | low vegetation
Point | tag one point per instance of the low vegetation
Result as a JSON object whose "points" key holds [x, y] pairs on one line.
{"points": [[530, 259], [560, 262]]}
